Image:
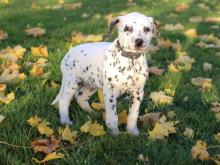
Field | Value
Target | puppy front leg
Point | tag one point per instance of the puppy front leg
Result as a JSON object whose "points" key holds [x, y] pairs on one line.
{"points": [[135, 102], [111, 113]]}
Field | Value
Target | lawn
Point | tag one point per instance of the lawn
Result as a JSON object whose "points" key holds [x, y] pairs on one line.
{"points": [[34, 94]]}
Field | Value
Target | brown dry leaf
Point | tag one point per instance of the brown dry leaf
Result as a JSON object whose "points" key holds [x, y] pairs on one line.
{"points": [[180, 7], [162, 129], [150, 118], [68, 135], [46, 145], [2, 87], [165, 43], [192, 33], [204, 83], [3, 35], [188, 132], [195, 19], [123, 117], [160, 98], [173, 27], [156, 70], [12, 54], [213, 19], [35, 31], [8, 98], [40, 51], [49, 157], [73, 6], [207, 66], [200, 151], [9, 74]]}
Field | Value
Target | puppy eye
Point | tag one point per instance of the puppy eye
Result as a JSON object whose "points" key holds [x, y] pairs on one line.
{"points": [[128, 29], [146, 29]]}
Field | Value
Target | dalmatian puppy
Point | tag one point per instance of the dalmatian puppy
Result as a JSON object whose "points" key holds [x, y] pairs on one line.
{"points": [[116, 67]]}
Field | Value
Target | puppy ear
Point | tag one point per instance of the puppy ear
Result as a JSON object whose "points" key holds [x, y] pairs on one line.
{"points": [[111, 26], [155, 29]]}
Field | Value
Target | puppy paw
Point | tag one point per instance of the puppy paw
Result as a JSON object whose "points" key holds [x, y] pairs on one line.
{"points": [[66, 121], [133, 131], [114, 132]]}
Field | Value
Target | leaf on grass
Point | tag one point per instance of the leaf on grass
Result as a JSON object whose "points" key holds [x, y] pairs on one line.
{"points": [[94, 129], [34, 121], [207, 66], [44, 129], [200, 151], [183, 63], [40, 51], [12, 54], [216, 109], [100, 105], [22, 76], [173, 27], [54, 85], [195, 19], [49, 157], [192, 33], [10, 73], [162, 129], [3, 35], [181, 7], [78, 37], [160, 98], [38, 67], [2, 118], [204, 83], [68, 135], [156, 70], [203, 6], [73, 6], [8, 98], [213, 19], [150, 118], [2, 87], [188, 132], [35, 31], [46, 145], [217, 137], [142, 158], [123, 117]]}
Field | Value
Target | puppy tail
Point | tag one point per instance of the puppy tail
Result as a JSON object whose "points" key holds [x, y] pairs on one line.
{"points": [[56, 100]]}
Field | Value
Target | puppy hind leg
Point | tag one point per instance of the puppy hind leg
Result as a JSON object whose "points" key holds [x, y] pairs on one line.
{"points": [[82, 97], [70, 87]]}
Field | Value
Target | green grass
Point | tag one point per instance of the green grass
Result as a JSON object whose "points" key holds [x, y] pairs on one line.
{"points": [[33, 98]]}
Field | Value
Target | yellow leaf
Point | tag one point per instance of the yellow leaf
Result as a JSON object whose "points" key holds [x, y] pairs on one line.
{"points": [[73, 6], [101, 96], [172, 68], [78, 37], [200, 150], [3, 35], [34, 121], [68, 135], [97, 106], [44, 129], [8, 98], [39, 51], [96, 129], [204, 83], [85, 127], [123, 117], [35, 31], [54, 85], [188, 132], [2, 118], [173, 27], [213, 19], [192, 33], [36, 70], [22, 76], [180, 7], [160, 98], [217, 137], [162, 129], [10, 73], [49, 157]]}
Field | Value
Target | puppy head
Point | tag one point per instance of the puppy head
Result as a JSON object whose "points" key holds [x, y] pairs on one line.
{"points": [[135, 31]]}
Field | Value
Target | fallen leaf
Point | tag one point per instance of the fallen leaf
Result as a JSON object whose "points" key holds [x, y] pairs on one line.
{"points": [[54, 85], [10, 73], [3, 35], [173, 27], [40, 51], [78, 37], [216, 109], [68, 135], [160, 98], [150, 118], [162, 129], [36, 70], [73, 6], [207, 66], [46, 145], [34, 121], [12, 54], [188, 132], [94, 129], [156, 70], [217, 137], [142, 158], [203, 6], [192, 33], [195, 19], [22, 76], [44, 129], [8, 98], [2, 87], [123, 117], [204, 83], [2, 118], [200, 150], [213, 19], [35, 31], [85, 127], [49, 157], [172, 68], [180, 7]]}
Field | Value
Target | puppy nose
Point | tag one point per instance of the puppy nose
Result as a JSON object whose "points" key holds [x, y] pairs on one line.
{"points": [[139, 42]]}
